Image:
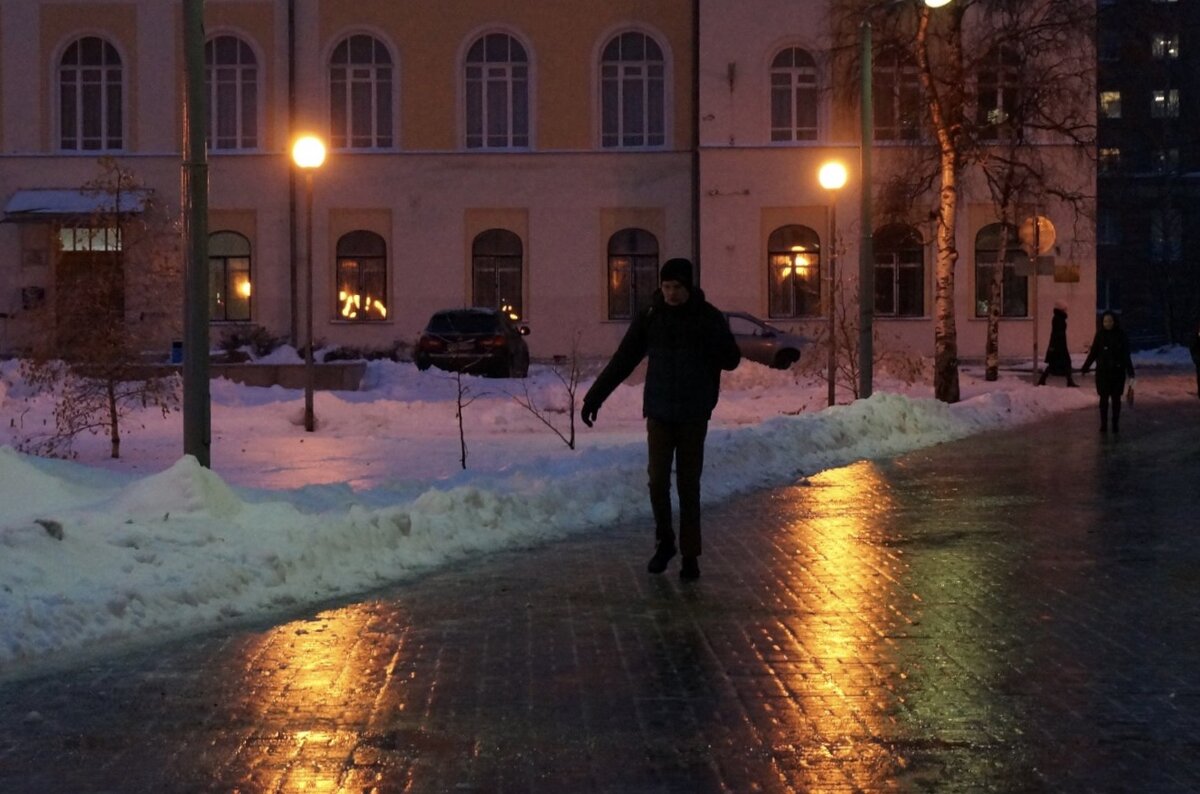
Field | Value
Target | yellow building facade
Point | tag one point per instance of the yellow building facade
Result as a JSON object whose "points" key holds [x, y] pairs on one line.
{"points": [[542, 155]]}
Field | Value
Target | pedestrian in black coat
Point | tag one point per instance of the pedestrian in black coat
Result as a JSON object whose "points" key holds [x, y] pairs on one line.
{"points": [[1194, 348], [687, 342], [1110, 353], [1058, 355]]}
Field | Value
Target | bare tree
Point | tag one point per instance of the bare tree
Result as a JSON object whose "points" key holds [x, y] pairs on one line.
{"points": [[971, 101], [569, 374], [117, 288], [886, 355]]}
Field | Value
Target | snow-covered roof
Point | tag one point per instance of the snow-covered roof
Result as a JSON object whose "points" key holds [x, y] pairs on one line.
{"points": [[47, 204]]}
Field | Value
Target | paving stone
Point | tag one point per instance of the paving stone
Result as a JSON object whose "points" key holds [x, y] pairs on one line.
{"points": [[1012, 612]]}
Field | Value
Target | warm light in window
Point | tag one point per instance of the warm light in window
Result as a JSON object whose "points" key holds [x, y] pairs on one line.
{"points": [[243, 287]]}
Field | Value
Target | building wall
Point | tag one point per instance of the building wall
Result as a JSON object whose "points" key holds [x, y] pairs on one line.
{"points": [[429, 195]]}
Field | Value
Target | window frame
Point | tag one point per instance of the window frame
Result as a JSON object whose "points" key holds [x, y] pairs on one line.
{"points": [[998, 94], [514, 78], [785, 245], [1164, 103], [247, 120], [381, 126], [616, 77], [636, 252], [901, 262], [1010, 281], [221, 261], [802, 90], [897, 90], [109, 141], [348, 305], [495, 266]]}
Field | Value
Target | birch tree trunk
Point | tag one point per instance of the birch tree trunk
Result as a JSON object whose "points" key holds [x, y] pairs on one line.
{"points": [[946, 126]]}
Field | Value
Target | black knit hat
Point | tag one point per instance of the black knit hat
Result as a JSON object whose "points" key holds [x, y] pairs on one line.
{"points": [[677, 269]]}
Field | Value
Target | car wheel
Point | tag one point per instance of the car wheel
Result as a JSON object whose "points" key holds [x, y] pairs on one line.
{"points": [[522, 369], [422, 363], [785, 359], [503, 369]]}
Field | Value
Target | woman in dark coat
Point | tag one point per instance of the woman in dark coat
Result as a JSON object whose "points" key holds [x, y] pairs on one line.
{"points": [[1110, 353], [1058, 356]]}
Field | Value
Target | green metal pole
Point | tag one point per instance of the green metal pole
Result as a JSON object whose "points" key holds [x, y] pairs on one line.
{"points": [[197, 422], [866, 246]]}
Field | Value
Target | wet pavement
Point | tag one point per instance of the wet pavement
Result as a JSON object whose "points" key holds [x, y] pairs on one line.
{"points": [[1014, 612]]}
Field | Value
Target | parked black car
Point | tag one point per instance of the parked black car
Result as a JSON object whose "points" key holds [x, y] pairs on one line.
{"points": [[762, 342], [478, 341]]}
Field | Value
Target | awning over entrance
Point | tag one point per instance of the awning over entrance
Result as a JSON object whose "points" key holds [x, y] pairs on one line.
{"points": [[48, 205]]}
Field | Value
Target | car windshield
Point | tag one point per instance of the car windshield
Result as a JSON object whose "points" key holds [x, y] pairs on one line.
{"points": [[463, 323]]}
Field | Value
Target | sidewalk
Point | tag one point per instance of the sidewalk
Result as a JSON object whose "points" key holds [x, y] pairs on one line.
{"points": [[1012, 612]]}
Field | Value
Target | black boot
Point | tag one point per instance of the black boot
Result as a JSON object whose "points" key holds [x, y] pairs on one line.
{"points": [[662, 555], [690, 569]]}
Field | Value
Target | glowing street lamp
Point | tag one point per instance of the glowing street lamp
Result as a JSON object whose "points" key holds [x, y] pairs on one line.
{"points": [[308, 153], [832, 177]]}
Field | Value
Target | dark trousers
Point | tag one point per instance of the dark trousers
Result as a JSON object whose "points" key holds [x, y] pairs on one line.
{"points": [[683, 443], [1115, 402]]}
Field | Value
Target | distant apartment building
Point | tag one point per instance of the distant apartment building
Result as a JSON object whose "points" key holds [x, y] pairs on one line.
{"points": [[1149, 167], [545, 156]]}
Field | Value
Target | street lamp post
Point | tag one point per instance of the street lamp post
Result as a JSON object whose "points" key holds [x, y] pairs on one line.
{"points": [[866, 245], [832, 177], [308, 153]]}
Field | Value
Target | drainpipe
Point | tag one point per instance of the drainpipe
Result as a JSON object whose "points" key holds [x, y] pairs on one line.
{"points": [[293, 230]]}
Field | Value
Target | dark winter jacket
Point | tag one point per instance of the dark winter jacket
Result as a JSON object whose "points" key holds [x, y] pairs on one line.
{"points": [[1110, 354], [1058, 356], [687, 346], [1194, 347]]}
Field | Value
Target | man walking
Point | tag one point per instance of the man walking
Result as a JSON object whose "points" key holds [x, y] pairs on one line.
{"points": [[687, 343]]}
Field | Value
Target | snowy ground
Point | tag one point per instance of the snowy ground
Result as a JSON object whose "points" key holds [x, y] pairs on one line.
{"points": [[98, 553]]}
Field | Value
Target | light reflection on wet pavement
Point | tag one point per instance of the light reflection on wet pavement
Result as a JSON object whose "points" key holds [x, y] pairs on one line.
{"points": [[1012, 612]]}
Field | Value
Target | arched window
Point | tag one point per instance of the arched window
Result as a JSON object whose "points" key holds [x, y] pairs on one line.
{"points": [[998, 103], [497, 93], [228, 277], [899, 271], [632, 272], [497, 260], [793, 96], [231, 82], [360, 94], [90, 96], [997, 245], [897, 96], [632, 92], [361, 276], [794, 272]]}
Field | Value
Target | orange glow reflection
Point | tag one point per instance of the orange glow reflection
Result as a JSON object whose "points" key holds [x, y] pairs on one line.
{"points": [[840, 636]]}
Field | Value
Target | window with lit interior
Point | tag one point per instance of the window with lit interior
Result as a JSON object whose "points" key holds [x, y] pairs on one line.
{"points": [[361, 277], [794, 272], [228, 277]]}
